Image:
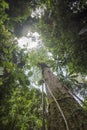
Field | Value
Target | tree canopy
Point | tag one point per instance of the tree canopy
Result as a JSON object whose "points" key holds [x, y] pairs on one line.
{"points": [[63, 30]]}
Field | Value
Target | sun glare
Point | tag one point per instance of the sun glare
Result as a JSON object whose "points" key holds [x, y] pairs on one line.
{"points": [[32, 40]]}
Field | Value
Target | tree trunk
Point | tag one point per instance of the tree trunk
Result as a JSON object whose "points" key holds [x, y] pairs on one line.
{"points": [[75, 116]]}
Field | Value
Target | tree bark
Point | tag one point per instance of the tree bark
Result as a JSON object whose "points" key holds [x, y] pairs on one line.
{"points": [[74, 114]]}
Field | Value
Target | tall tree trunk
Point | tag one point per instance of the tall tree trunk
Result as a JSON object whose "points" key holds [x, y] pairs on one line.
{"points": [[75, 118]]}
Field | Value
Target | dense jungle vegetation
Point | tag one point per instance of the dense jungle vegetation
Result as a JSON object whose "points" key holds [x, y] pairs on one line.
{"points": [[62, 26]]}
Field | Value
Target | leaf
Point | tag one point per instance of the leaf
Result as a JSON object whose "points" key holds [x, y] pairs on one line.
{"points": [[4, 4], [28, 66], [5, 50], [40, 82], [27, 82], [30, 73], [83, 30], [1, 82], [71, 73]]}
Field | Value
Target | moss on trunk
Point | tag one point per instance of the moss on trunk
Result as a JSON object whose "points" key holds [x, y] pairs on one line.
{"points": [[74, 114]]}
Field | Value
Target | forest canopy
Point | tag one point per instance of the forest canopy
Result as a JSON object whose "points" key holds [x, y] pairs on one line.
{"points": [[63, 30]]}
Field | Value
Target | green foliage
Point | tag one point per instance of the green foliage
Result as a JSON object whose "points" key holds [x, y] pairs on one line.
{"points": [[22, 10], [63, 29], [20, 106], [60, 27], [3, 15], [85, 104], [38, 55], [64, 33], [25, 109], [19, 12]]}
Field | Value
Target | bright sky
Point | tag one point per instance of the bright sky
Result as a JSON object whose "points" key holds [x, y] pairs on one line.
{"points": [[32, 40]]}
